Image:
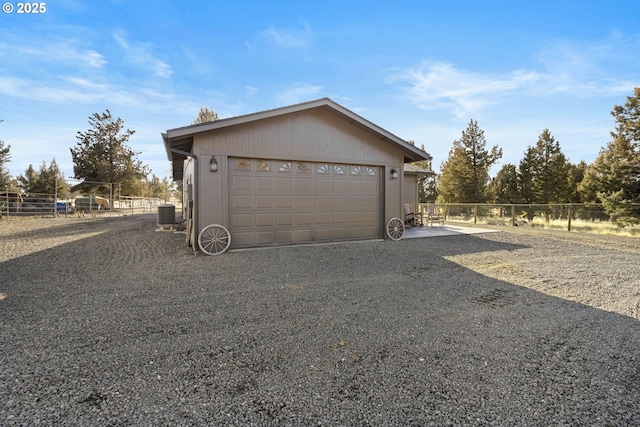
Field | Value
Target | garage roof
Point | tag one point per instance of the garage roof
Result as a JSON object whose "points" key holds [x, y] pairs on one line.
{"points": [[178, 142]]}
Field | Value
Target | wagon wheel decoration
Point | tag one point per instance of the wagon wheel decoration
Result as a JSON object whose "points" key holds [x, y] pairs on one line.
{"points": [[214, 239], [395, 229]]}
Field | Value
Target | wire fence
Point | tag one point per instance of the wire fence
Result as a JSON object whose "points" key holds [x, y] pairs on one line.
{"points": [[588, 217], [15, 204]]}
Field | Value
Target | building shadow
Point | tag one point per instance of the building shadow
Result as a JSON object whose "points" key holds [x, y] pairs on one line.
{"points": [[129, 326]]}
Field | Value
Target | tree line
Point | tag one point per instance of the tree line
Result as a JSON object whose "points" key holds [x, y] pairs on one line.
{"points": [[544, 174], [103, 164]]}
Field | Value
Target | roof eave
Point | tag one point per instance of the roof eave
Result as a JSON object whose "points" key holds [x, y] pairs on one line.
{"points": [[238, 120]]}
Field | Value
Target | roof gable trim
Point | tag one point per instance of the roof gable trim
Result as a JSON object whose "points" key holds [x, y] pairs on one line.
{"points": [[412, 153]]}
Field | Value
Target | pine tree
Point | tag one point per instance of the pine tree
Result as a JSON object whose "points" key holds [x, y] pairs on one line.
{"points": [[614, 177], [28, 181], [465, 174], [205, 115], [49, 177], [5, 157], [160, 189], [544, 172], [101, 157], [428, 190], [576, 175], [504, 187], [44, 180]]}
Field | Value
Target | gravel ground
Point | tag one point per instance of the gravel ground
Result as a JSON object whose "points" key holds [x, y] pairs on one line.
{"points": [[104, 321]]}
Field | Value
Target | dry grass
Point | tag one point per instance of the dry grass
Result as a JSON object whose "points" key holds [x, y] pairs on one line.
{"points": [[577, 225]]}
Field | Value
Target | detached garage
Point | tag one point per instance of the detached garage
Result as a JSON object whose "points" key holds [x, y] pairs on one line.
{"points": [[306, 173]]}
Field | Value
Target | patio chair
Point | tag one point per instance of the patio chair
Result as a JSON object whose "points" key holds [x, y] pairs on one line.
{"points": [[410, 217], [434, 214]]}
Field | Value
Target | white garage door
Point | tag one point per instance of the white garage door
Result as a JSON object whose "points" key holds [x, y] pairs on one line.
{"points": [[275, 202]]}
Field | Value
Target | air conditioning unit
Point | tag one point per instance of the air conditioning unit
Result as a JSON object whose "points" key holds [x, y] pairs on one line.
{"points": [[166, 216]]}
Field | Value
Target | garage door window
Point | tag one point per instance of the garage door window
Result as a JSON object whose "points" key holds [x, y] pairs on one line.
{"points": [[285, 167], [242, 164], [263, 166], [304, 168]]}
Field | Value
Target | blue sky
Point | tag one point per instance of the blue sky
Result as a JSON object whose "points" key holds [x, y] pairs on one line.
{"points": [[419, 69]]}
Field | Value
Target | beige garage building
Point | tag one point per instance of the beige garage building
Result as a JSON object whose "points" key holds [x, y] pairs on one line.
{"points": [[310, 172]]}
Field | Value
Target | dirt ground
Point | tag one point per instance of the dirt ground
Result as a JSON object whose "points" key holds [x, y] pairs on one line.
{"points": [[106, 321], [593, 269]]}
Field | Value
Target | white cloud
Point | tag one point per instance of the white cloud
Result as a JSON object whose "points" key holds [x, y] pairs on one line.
{"points": [[198, 63], [94, 59], [441, 85], [65, 90], [288, 38], [121, 41], [250, 90], [40, 91], [60, 52], [140, 54], [590, 69], [568, 68], [86, 84], [298, 93], [70, 53]]}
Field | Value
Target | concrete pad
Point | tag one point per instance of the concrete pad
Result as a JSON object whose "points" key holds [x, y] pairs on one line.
{"points": [[418, 231]]}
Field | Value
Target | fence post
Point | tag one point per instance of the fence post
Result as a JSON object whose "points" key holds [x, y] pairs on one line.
{"points": [[475, 214], [513, 215], [569, 218]]}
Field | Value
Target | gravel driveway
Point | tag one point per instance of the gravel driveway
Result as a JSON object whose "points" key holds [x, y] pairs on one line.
{"points": [[104, 321]]}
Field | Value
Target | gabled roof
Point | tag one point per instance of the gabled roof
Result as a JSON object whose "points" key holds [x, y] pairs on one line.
{"points": [[178, 142], [411, 169]]}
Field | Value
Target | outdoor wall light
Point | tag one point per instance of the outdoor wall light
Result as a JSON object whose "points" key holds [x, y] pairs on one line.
{"points": [[394, 173], [213, 165]]}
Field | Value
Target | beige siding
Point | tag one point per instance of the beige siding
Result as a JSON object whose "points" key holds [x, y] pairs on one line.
{"points": [[212, 192], [393, 194], [410, 190], [309, 135], [314, 136]]}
